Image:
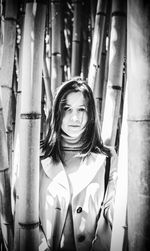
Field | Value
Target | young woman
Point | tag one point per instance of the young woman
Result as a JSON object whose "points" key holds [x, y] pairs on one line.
{"points": [[73, 200]]}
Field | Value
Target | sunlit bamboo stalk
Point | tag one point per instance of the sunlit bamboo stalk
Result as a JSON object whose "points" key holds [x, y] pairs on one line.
{"points": [[76, 38], [56, 71], [93, 6], [32, 63], [1, 35], [138, 73], [5, 192], [102, 70], [16, 147], [97, 41], [7, 66], [119, 230], [16, 139], [85, 43], [47, 84], [115, 74], [106, 66]]}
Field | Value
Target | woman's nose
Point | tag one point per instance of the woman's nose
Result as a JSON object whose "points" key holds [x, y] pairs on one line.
{"points": [[74, 116]]}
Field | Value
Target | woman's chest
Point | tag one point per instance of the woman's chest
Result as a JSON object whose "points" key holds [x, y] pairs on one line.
{"points": [[80, 178]]}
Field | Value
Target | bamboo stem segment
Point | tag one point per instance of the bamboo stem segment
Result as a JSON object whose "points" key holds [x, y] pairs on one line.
{"points": [[7, 65], [115, 73], [76, 40], [138, 66], [56, 70], [6, 218], [97, 41], [31, 79]]}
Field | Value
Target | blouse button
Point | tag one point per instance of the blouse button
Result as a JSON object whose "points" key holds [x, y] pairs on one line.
{"points": [[79, 210]]}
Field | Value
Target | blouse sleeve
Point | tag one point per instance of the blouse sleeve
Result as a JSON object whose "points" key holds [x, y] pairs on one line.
{"points": [[109, 199], [102, 238]]}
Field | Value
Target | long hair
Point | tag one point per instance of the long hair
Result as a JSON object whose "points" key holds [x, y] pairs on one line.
{"points": [[91, 137]]}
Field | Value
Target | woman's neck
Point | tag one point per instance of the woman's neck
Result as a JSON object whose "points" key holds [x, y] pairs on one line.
{"points": [[71, 143]]}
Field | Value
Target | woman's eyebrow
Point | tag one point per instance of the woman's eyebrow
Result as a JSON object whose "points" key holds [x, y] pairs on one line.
{"points": [[79, 106]]}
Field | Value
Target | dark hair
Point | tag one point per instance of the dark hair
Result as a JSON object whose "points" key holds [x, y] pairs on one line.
{"points": [[91, 137]]}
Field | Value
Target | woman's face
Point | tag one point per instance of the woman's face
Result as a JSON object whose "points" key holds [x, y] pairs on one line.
{"points": [[74, 114]]}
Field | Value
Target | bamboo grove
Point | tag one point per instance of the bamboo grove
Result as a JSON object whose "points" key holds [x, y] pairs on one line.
{"points": [[42, 44]]}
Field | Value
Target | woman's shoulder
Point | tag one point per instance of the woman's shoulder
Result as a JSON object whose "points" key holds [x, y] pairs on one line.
{"points": [[45, 164], [97, 157]]}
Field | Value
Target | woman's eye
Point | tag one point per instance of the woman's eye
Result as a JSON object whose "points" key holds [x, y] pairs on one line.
{"points": [[82, 109]]}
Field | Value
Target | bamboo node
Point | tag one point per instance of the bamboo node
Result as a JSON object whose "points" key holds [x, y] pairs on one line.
{"points": [[10, 19], [115, 87], [118, 13], [33, 115], [56, 53], [101, 13], [29, 225]]}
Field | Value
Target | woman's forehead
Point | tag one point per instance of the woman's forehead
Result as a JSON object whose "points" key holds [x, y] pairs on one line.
{"points": [[75, 99]]}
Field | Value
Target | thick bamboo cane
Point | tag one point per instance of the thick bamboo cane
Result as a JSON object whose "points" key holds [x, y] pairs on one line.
{"points": [[99, 83], [1, 36], [5, 193], [138, 72], [102, 70], [16, 139], [106, 65], [6, 72], [32, 59], [119, 230], [85, 43], [76, 39], [16, 147], [47, 84], [63, 45], [49, 53], [56, 74], [93, 6], [115, 74], [97, 41]]}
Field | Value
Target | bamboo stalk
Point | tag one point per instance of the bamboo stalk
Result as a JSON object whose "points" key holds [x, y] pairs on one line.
{"points": [[119, 230], [47, 82], [85, 43], [106, 66], [33, 44], [99, 83], [7, 66], [44, 112], [16, 139], [76, 39], [56, 71], [138, 72], [97, 41], [16, 143], [93, 5], [115, 74], [49, 54], [6, 72], [5, 194], [63, 45], [68, 38], [102, 70], [1, 36]]}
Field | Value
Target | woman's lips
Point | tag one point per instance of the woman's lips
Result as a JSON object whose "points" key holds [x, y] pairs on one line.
{"points": [[74, 126]]}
